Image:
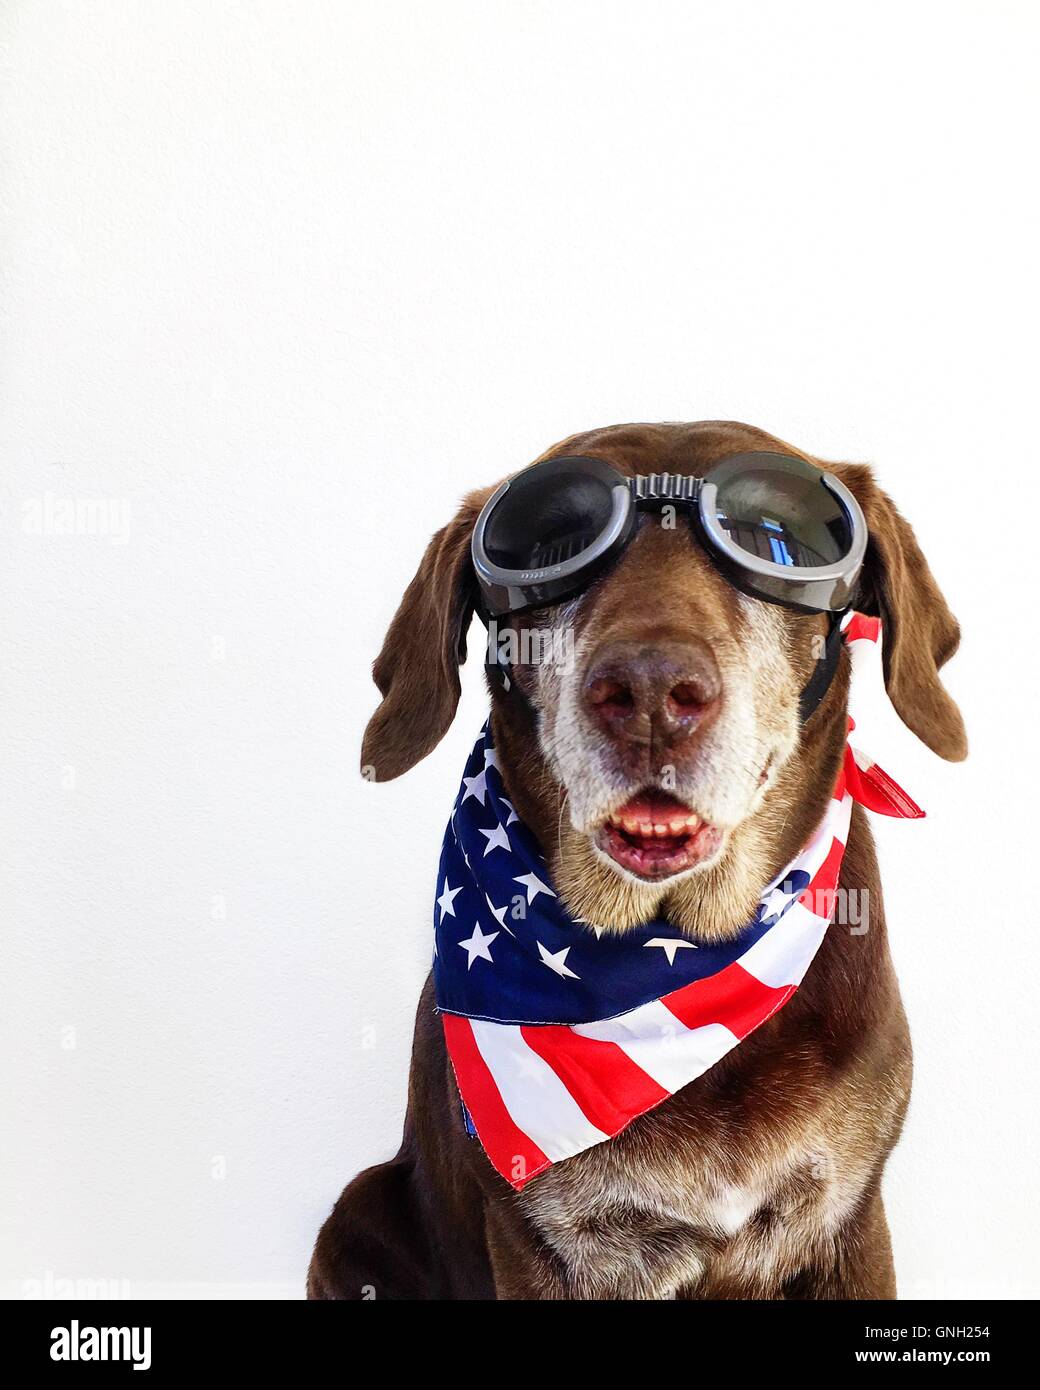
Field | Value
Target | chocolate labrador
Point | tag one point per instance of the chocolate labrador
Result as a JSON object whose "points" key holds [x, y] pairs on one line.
{"points": [[761, 1179]]}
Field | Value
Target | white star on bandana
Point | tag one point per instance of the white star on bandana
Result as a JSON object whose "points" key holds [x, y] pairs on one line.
{"points": [[477, 945]]}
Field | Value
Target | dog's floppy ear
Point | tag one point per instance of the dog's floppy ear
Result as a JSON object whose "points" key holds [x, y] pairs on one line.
{"points": [[417, 671], [920, 632]]}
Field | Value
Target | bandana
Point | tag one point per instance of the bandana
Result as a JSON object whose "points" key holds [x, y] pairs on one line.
{"points": [[561, 1035]]}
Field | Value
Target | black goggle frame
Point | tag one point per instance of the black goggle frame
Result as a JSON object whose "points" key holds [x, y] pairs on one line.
{"points": [[818, 589], [826, 588]]}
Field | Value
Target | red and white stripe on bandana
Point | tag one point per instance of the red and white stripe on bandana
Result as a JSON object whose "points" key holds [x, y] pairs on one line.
{"points": [[537, 1092]]}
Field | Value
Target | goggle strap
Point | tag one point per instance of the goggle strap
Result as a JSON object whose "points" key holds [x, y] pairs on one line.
{"points": [[820, 680]]}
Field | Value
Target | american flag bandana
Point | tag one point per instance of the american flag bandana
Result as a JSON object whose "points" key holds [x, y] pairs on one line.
{"points": [[559, 1035]]}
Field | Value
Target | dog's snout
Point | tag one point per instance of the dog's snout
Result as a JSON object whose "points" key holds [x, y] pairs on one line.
{"points": [[648, 692]]}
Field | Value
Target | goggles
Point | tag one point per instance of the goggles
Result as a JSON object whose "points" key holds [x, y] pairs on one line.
{"points": [[777, 527]]}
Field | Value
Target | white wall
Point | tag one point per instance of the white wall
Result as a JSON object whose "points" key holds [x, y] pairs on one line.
{"points": [[280, 281]]}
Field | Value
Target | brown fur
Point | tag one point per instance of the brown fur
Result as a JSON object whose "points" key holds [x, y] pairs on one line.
{"points": [[761, 1178]]}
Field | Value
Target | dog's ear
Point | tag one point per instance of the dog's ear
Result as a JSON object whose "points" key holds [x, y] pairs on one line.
{"points": [[417, 671], [920, 632]]}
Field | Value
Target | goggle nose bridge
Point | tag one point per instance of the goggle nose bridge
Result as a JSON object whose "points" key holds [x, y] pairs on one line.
{"points": [[654, 490]]}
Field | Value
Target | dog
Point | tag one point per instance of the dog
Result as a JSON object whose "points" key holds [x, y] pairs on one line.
{"points": [[762, 1178]]}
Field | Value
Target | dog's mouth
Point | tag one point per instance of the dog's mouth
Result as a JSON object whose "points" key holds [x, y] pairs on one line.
{"points": [[655, 836]]}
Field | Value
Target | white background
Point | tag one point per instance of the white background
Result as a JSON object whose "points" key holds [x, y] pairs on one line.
{"points": [[283, 280]]}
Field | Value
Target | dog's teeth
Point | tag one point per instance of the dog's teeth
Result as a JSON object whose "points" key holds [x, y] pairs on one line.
{"points": [[676, 825]]}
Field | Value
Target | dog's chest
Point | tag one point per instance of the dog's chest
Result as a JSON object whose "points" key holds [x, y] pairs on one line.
{"points": [[631, 1220]]}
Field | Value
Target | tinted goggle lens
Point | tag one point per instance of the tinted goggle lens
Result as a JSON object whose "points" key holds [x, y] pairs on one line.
{"points": [[545, 520], [554, 519], [783, 515]]}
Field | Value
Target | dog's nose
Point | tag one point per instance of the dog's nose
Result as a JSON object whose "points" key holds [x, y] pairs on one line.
{"points": [[652, 693]]}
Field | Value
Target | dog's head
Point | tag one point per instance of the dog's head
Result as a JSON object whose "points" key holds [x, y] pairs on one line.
{"points": [[654, 744]]}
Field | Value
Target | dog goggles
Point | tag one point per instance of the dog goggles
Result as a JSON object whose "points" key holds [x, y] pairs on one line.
{"points": [[776, 526]]}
